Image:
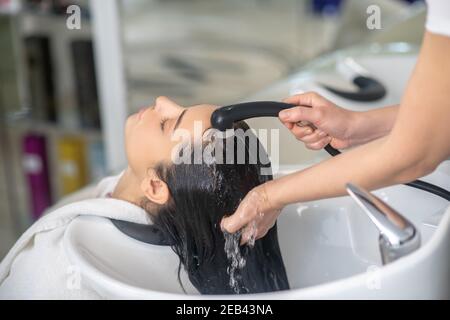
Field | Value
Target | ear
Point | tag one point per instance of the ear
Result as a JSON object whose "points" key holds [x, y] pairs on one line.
{"points": [[155, 189]]}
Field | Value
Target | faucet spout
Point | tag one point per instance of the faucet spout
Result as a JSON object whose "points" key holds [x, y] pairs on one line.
{"points": [[398, 236]]}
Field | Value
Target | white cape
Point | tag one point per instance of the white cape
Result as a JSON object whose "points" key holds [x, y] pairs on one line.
{"points": [[37, 266]]}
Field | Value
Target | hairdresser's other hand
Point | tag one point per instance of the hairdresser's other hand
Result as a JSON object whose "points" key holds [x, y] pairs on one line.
{"points": [[255, 216], [333, 124]]}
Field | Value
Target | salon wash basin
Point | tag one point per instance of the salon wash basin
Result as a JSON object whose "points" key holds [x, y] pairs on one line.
{"points": [[330, 249]]}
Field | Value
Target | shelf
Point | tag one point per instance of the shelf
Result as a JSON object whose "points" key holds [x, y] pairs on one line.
{"points": [[54, 129], [74, 154]]}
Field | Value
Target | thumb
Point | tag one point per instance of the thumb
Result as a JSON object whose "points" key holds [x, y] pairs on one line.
{"points": [[298, 114], [231, 224]]}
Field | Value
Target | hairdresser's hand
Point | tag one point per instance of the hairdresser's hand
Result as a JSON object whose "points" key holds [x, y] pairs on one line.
{"points": [[255, 216], [333, 124]]}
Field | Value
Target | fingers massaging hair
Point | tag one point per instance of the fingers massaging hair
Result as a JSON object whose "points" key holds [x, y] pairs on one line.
{"points": [[201, 195]]}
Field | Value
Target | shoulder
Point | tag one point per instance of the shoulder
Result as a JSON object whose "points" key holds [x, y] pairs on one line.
{"points": [[99, 190]]}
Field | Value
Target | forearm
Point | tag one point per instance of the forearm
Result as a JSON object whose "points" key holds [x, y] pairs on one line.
{"points": [[372, 166], [370, 125]]}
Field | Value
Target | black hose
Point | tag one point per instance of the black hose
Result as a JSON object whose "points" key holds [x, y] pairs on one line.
{"points": [[418, 184], [332, 151], [422, 185], [369, 89]]}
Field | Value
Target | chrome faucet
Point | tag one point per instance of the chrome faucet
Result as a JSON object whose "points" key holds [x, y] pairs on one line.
{"points": [[398, 236]]}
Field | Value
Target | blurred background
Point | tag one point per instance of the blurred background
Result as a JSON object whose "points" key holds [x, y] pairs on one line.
{"points": [[66, 89]]}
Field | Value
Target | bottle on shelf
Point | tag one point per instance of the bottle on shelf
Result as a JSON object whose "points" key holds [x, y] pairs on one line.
{"points": [[35, 166], [71, 160]]}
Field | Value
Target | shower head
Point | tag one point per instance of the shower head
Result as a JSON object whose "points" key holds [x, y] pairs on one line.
{"points": [[224, 118]]}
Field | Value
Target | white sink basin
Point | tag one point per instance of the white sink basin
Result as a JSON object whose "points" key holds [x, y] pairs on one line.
{"points": [[330, 249]]}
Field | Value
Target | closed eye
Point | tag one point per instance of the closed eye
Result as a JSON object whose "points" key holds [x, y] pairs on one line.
{"points": [[163, 124], [177, 123]]}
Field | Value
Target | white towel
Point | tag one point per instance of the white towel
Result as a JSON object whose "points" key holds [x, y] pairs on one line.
{"points": [[37, 266]]}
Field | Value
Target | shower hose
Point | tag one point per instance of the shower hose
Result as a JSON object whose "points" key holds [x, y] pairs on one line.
{"points": [[418, 184]]}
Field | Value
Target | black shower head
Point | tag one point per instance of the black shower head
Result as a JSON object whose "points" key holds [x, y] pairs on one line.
{"points": [[223, 118]]}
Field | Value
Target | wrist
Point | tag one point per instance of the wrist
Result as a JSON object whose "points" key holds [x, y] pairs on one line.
{"points": [[356, 125], [271, 195], [369, 125], [362, 128]]}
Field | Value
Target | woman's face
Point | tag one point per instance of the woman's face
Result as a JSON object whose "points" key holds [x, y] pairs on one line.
{"points": [[148, 133]]}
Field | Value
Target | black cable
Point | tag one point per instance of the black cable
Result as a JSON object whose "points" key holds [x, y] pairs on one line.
{"points": [[418, 184], [332, 151], [422, 185]]}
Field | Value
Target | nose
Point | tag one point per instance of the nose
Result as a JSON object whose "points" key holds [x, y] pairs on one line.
{"points": [[167, 108]]}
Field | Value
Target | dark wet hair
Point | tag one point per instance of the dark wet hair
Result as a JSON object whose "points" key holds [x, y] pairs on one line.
{"points": [[201, 195]]}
